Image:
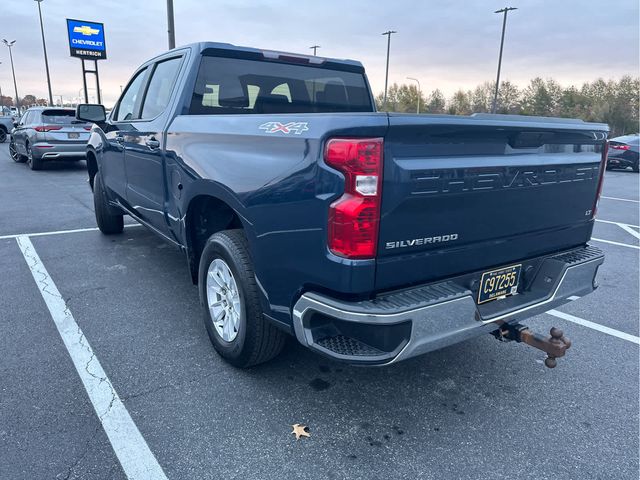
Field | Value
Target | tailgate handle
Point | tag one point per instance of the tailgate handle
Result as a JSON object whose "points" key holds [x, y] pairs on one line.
{"points": [[152, 143]]}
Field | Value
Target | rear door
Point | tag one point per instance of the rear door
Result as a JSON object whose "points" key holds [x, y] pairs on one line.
{"points": [[144, 144], [466, 194]]}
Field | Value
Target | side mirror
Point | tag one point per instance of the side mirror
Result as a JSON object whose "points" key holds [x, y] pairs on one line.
{"points": [[91, 112]]}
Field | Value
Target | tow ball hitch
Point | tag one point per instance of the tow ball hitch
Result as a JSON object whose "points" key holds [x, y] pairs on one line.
{"points": [[554, 346]]}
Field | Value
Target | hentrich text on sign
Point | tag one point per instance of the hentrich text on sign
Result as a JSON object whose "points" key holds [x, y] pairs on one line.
{"points": [[86, 39]]}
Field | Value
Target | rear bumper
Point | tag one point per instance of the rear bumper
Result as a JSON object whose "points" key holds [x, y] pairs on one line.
{"points": [[404, 324], [53, 151]]}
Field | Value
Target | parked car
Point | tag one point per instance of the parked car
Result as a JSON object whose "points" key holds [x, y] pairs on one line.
{"points": [[371, 237], [48, 134], [6, 125], [624, 152]]}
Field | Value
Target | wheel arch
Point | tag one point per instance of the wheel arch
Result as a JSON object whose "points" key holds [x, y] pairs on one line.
{"points": [[206, 214], [92, 166]]}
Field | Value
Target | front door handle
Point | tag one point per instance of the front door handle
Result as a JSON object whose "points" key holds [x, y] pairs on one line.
{"points": [[152, 143]]}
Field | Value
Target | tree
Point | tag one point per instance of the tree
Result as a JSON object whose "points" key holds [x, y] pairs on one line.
{"points": [[509, 99], [538, 98], [482, 97], [460, 103], [435, 102], [28, 100], [6, 101]]}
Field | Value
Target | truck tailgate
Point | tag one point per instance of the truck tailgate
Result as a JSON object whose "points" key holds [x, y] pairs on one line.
{"points": [[462, 194]]}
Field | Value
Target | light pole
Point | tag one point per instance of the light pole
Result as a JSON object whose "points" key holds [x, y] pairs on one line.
{"points": [[419, 91], [314, 48], [13, 72], [171, 25], [44, 47], [388, 33], [505, 10]]}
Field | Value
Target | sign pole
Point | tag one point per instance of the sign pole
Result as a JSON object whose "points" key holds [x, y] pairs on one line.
{"points": [[84, 82], [95, 62]]}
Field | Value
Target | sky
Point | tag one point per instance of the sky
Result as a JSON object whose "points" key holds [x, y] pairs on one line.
{"points": [[445, 44]]}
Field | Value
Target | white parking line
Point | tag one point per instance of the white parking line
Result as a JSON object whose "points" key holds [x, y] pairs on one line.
{"points": [[628, 229], [624, 226], [615, 243], [621, 199], [137, 460], [595, 326], [617, 223], [60, 232]]}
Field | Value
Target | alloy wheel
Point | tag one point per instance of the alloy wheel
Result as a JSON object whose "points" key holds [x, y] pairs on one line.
{"points": [[223, 300]]}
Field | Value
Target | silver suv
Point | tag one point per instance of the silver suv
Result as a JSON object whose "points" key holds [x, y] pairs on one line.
{"points": [[45, 133]]}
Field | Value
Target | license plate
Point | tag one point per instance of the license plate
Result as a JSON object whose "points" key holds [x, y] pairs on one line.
{"points": [[74, 135], [499, 283]]}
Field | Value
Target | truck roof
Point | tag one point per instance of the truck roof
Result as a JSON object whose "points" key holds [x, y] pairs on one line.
{"points": [[201, 47]]}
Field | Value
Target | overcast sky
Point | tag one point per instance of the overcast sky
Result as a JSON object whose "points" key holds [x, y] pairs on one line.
{"points": [[446, 44]]}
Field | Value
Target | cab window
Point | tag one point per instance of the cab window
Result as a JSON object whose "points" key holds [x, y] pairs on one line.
{"points": [[131, 96], [160, 87]]}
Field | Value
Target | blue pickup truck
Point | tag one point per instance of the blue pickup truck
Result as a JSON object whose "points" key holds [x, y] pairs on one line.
{"points": [[370, 237]]}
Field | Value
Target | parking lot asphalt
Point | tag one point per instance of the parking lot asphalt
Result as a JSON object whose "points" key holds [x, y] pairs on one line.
{"points": [[480, 409]]}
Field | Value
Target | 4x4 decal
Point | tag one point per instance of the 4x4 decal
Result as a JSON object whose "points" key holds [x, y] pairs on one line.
{"points": [[286, 128]]}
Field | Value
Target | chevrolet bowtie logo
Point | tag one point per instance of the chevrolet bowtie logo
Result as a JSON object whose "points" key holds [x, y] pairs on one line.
{"points": [[86, 30]]}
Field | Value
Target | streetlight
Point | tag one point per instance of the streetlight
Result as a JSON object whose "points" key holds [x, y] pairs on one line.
{"points": [[44, 47], [419, 91], [314, 48], [15, 85], [505, 10], [171, 25], [388, 33]]}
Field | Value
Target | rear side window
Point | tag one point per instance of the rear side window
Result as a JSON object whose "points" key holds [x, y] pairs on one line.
{"points": [[231, 85], [58, 116], [160, 87], [130, 99]]}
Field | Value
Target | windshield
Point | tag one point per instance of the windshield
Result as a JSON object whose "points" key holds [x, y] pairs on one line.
{"points": [[231, 85]]}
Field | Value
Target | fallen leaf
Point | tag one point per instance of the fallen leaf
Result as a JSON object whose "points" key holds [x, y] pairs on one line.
{"points": [[300, 431]]}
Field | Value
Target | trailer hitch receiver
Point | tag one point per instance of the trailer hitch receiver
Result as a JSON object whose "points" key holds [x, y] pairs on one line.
{"points": [[555, 346]]}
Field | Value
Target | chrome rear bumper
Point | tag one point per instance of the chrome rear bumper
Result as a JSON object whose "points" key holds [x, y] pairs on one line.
{"points": [[400, 325]]}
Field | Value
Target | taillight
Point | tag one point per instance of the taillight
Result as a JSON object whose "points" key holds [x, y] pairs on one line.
{"points": [[620, 147], [47, 128], [603, 168], [354, 218], [87, 128]]}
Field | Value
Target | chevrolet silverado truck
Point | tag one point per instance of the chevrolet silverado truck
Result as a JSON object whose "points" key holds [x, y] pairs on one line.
{"points": [[370, 237]]}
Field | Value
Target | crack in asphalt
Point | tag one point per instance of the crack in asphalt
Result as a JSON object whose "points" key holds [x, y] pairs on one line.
{"points": [[32, 261], [151, 391]]}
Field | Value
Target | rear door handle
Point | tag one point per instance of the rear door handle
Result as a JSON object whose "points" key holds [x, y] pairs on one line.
{"points": [[152, 143], [119, 138]]}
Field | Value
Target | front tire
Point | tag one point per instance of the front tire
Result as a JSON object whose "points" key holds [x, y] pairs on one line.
{"points": [[230, 302], [108, 223]]}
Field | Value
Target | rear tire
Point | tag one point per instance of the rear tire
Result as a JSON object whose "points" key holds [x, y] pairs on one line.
{"points": [[108, 222], [34, 163], [3, 135], [250, 339], [636, 167]]}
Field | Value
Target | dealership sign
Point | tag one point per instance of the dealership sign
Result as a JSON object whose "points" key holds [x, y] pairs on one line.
{"points": [[86, 39]]}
